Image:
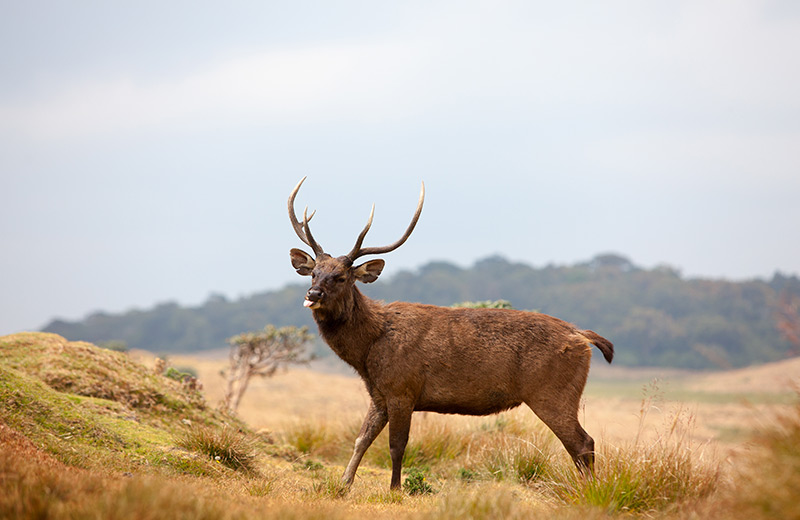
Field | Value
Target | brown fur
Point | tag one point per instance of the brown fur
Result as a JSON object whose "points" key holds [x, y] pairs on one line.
{"points": [[415, 357]]}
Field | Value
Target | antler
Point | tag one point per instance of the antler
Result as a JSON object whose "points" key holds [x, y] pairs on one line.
{"points": [[302, 229], [358, 251]]}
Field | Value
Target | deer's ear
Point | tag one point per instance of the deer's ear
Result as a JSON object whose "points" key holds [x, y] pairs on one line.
{"points": [[302, 262], [368, 272]]}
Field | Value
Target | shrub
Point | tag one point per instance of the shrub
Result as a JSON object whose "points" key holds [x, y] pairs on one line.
{"points": [[179, 374], [416, 484]]}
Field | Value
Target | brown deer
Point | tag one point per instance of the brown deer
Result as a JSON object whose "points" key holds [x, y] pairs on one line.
{"points": [[415, 357]]}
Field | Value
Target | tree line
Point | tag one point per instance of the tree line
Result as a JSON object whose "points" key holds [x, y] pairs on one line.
{"points": [[655, 317]]}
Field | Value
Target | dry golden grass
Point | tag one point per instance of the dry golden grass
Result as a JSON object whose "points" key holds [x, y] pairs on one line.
{"points": [[727, 406], [627, 411], [669, 450]]}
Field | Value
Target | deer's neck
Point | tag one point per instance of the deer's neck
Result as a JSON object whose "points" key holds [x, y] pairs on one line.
{"points": [[352, 328]]}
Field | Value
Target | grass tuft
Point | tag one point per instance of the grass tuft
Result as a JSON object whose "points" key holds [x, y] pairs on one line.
{"points": [[515, 459], [391, 496], [314, 438], [225, 445], [643, 478], [330, 486], [313, 465], [260, 487], [769, 481], [467, 475]]}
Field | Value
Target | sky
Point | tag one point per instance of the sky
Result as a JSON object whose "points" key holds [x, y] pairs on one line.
{"points": [[147, 149]]}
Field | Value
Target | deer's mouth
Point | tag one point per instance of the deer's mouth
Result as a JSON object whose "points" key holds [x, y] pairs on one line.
{"points": [[311, 304], [314, 298]]}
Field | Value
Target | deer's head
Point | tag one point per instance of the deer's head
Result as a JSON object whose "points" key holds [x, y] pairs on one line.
{"points": [[332, 278]]}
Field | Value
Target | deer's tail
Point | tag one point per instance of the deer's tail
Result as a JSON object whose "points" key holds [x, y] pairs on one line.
{"points": [[605, 346]]}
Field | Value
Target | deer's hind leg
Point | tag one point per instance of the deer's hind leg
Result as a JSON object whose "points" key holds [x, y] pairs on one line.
{"points": [[558, 409], [567, 428]]}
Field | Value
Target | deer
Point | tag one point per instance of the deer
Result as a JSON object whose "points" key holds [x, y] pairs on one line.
{"points": [[414, 357]]}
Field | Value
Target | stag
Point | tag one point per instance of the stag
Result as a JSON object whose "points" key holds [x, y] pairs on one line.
{"points": [[415, 357]]}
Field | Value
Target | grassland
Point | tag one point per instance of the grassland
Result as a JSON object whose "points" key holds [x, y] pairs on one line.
{"points": [[90, 433]]}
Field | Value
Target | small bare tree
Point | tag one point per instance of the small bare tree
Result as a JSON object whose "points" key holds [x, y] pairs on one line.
{"points": [[261, 354]]}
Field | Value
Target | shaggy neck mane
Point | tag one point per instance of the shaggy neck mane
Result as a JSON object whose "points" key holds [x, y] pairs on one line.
{"points": [[351, 327]]}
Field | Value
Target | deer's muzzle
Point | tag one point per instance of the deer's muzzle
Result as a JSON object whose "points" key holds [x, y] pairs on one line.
{"points": [[313, 298]]}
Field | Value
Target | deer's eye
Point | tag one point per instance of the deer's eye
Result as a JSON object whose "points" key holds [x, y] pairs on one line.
{"points": [[339, 279]]}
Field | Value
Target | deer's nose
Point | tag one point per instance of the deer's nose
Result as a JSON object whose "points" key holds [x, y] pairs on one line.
{"points": [[314, 294]]}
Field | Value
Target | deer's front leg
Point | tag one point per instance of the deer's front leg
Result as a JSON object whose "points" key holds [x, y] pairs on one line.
{"points": [[399, 425], [373, 424]]}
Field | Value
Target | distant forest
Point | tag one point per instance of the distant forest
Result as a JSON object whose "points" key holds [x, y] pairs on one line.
{"points": [[654, 317]]}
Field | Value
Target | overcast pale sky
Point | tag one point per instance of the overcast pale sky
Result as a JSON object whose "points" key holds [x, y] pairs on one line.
{"points": [[147, 148]]}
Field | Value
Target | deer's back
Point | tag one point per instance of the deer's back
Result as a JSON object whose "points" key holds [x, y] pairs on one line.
{"points": [[473, 361]]}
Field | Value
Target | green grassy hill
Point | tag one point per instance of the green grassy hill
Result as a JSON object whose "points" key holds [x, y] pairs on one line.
{"points": [[94, 408], [86, 432]]}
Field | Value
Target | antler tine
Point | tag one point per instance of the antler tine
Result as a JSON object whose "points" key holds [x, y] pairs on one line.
{"points": [[358, 251], [298, 226], [353, 254], [311, 242]]}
